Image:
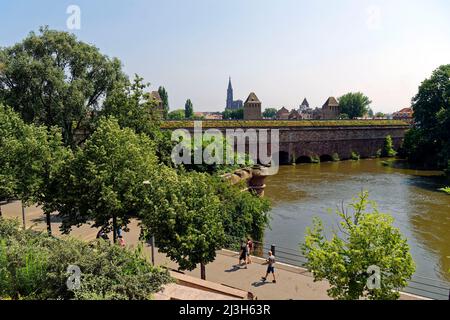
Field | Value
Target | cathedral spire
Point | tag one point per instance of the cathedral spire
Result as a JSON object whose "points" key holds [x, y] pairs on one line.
{"points": [[229, 104]]}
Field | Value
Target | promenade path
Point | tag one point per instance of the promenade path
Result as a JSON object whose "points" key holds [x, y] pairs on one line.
{"points": [[292, 282]]}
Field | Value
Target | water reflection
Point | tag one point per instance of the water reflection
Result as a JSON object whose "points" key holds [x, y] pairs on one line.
{"points": [[421, 212]]}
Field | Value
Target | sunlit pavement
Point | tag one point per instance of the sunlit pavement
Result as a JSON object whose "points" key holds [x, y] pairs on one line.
{"points": [[292, 282]]}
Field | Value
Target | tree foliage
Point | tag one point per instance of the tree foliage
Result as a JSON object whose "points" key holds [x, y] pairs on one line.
{"points": [[53, 79], [354, 104], [270, 113], [185, 215], [429, 142], [33, 266], [366, 238], [165, 98], [237, 114], [388, 148], [177, 115], [104, 180], [188, 109]]}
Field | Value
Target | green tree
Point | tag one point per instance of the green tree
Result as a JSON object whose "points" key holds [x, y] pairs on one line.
{"points": [[188, 109], [104, 180], [177, 115], [270, 113], [388, 148], [165, 98], [31, 157], [429, 142], [185, 216], [366, 238], [380, 115], [53, 79], [354, 104], [370, 113], [237, 114]]}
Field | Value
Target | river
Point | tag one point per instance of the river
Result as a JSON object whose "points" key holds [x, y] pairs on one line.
{"points": [[422, 213]]}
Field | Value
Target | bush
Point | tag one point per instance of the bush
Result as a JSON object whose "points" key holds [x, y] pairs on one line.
{"points": [[335, 157], [355, 156], [388, 148], [33, 266], [315, 159]]}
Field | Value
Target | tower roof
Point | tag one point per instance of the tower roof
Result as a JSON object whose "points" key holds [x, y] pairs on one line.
{"points": [[155, 95], [331, 102], [252, 98], [305, 103]]}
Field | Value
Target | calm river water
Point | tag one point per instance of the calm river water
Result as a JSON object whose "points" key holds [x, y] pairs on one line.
{"points": [[304, 191]]}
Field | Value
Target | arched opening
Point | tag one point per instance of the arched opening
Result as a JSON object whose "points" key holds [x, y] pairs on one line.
{"points": [[284, 157], [304, 159], [326, 158]]}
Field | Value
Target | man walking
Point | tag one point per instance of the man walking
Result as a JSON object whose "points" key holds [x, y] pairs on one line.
{"points": [[270, 267], [244, 253]]}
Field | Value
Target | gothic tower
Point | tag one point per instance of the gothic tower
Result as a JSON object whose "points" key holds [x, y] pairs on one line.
{"points": [[229, 95]]}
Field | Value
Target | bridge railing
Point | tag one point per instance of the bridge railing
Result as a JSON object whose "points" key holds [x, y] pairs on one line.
{"points": [[420, 285]]}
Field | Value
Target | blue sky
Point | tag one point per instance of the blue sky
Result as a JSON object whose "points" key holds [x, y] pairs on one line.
{"points": [[282, 50]]}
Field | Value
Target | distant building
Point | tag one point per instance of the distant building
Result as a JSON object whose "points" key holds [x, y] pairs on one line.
{"points": [[209, 115], [317, 114], [406, 114], [304, 106], [282, 114], [330, 109], [294, 115], [252, 108], [232, 104], [159, 102]]}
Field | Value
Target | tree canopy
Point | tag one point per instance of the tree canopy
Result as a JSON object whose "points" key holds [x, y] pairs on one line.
{"points": [[104, 180], [354, 104], [366, 238], [270, 113], [429, 142], [53, 79], [188, 109], [165, 98]]}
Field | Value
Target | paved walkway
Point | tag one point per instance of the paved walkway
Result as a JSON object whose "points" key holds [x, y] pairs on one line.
{"points": [[292, 282]]}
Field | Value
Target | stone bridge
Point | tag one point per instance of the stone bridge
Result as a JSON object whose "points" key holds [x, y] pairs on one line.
{"points": [[304, 141]]}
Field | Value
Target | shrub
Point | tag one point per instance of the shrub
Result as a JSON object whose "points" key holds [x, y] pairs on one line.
{"points": [[34, 266], [315, 159], [335, 156], [388, 148], [355, 156]]}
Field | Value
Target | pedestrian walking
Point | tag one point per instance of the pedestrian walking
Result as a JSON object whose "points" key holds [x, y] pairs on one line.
{"points": [[121, 241], [270, 267], [243, 256], [250, 250]]}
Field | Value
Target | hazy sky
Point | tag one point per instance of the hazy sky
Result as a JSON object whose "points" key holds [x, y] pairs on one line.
{"points": [[283, 50]]}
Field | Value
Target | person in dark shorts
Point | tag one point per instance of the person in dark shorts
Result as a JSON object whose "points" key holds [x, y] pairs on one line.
{"points": [[270, 267], [244, 253], [250, 250]]}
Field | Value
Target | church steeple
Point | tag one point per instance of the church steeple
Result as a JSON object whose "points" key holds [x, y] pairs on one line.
{"points": [[229, 95]]}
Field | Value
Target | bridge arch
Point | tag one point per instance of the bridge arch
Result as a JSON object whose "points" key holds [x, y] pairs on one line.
{"points": [[303, 159], [283, 157], [326, 158]]}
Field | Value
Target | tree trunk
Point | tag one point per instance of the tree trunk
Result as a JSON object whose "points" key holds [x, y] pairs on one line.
{"points": [[203, 271], [114, 229], [49, 223]]}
